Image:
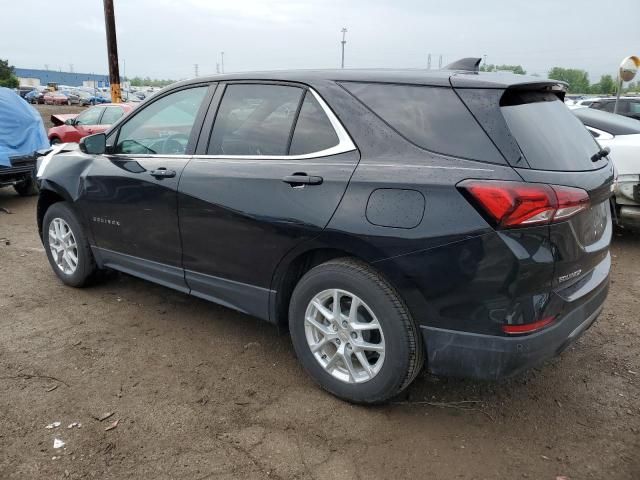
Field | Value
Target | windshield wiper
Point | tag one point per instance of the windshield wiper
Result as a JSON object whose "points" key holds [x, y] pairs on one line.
{"points": [[601, 154]]}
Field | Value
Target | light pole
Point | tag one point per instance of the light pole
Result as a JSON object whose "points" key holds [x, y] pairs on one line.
{"points": [[222, 61], [344, 33]]}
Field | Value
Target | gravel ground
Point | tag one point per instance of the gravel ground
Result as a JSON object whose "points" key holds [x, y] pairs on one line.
{"points": [[199, 391]]}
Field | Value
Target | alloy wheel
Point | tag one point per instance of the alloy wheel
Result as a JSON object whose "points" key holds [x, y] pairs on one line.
{"points": [[344, 336], [63, 246]]}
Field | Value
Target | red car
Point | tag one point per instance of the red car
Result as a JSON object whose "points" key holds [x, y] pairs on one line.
{"points": [[71, 128], [56, 98]]}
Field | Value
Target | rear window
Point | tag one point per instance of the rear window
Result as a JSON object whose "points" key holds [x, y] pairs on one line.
{"points": [[549, 135], [432, 118]]}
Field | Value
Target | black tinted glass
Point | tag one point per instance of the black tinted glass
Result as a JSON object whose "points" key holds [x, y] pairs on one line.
{"points": [[550, 137], [254, 120], [433, 118], [314, 131]]}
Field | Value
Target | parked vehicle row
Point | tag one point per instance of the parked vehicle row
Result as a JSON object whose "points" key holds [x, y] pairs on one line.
{"points": [[622, 135], [386, 217]]}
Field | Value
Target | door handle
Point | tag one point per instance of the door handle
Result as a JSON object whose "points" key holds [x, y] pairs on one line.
{"points": [[162, 173], [301, 179]]}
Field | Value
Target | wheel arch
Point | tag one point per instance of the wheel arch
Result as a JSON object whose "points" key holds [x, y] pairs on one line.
{"points": [[297, 263], [47, 197]]}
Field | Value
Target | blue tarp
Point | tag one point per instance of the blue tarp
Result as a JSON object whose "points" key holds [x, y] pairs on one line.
{"points": [[21, 128]]}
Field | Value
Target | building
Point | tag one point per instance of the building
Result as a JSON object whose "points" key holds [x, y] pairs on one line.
{"points": [[34, 77]]}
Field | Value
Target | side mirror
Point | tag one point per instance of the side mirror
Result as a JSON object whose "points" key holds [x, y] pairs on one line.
{"points": [[94, 144]]}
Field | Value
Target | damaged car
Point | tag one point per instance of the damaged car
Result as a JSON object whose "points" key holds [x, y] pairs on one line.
{"points": [[73, 127], [22, 135]]}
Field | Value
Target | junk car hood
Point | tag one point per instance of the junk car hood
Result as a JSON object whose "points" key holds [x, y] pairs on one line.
{"points": [[59, 118]]}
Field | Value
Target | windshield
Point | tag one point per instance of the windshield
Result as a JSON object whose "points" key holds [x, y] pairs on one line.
{"points": [[550, 137]]}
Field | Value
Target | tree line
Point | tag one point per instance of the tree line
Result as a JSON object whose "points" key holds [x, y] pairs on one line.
{"points": [[578, 80]]}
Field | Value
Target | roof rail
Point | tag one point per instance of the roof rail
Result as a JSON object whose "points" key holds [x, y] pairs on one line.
{"points": [[470, 64]]}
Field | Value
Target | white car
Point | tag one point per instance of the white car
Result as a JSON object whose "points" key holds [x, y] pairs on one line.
{"points": [[622, 135]]}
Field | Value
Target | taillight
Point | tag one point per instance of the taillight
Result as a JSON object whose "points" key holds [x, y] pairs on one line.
{"points": [[517, 204], [528, 327]]}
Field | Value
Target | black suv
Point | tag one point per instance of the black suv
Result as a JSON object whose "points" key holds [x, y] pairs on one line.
{"points": [[390, 218]]}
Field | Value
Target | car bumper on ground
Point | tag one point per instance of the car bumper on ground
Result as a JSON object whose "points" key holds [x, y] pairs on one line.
{"points": [[464, 354]]}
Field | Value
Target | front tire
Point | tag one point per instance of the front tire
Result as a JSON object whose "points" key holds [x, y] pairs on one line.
{"points": [[67, 247], [353, 333]]}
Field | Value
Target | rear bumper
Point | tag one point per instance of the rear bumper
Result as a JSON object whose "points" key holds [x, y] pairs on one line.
{"points": [[463, 354]]}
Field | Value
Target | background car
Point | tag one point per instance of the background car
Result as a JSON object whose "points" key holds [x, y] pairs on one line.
{"points": [[627, 106], [92, 99], [622, 136], [56, 98], [34, 96], [71, 128], [21, 136], [22, 91], [73, 97]]}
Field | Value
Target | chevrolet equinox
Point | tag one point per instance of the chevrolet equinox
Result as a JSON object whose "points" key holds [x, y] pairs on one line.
{"points": [[392, 219]]}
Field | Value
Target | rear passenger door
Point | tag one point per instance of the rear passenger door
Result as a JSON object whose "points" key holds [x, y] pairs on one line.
{"points": [[271, 166]]}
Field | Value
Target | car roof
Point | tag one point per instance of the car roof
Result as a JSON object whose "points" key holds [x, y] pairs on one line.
{"points": [[457, 78], [609, 122]]}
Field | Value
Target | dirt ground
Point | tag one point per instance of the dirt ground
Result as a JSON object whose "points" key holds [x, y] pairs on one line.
{"points": [[200, 391]]}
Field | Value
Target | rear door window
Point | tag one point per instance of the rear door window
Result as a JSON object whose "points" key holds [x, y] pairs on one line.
{"points": [[433, 118], [314, 131], [255, 119], [548, 134]]}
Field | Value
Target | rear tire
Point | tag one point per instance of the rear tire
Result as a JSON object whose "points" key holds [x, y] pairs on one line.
{"points": [[73, 261], [378, 349]]}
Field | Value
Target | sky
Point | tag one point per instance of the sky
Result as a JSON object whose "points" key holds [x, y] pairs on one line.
{"points": [[166, 38]]}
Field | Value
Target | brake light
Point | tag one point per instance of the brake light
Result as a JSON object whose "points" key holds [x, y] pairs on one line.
{"points": [[528, 327], [518, 204]]}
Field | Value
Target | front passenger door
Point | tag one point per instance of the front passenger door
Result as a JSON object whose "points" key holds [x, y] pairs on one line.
{"points": [[267, 177], [130, 195]]}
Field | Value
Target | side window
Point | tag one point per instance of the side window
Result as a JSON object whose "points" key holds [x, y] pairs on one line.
{"points": [[608, 106], [254, 119], [111, 114], [314, 131], [90, 116], [433, 118], [164, 126], [634, 108]]}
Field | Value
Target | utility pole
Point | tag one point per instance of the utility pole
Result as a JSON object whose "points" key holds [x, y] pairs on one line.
{"points": [[112, 51], [46, 66], [217, 67], [195, 69], [71, 67], [440, 61], [222, 61], [485, 60], [343, 42], [429, 62]]}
